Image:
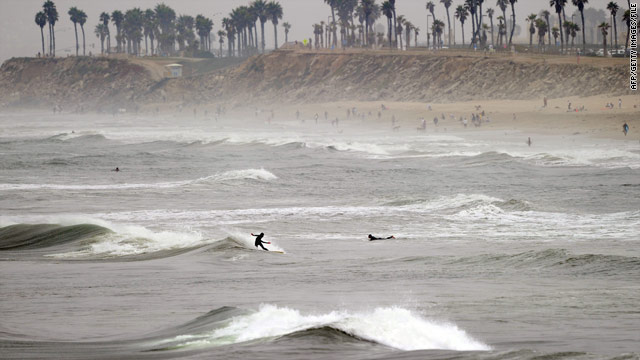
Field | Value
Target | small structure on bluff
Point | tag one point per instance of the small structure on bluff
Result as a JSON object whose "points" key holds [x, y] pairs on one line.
{"points": [[173, 70]]}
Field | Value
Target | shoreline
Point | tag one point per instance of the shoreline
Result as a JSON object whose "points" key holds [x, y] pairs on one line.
{"points": [[531, 117]]}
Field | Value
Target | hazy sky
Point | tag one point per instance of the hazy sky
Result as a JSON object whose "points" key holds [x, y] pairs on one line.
{"points": [[20, 36]]}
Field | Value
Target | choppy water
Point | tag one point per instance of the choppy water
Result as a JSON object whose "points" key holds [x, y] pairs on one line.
{"points": [[502, 251]]}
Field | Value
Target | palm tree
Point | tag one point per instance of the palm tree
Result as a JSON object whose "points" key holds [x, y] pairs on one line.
{"points": [[274, 10], [513, 26], [502, 4], [73, 16], [613, 8], [531, 19], [545, 14], [431, 8], [472, 6], [490, 13], [260, 8], [367, 9], [387, 10], [408, 28], [400, 28], [573, 28], [461, 14], [100, 33], [227, 24], [333, 4], [395, 21], [416, 31], [447, 4], [104, 17], [166, 32], [626, 17], [82, 19], [41, 20], [603, 28], [132, 27], [542, 27], [149, 27], [580, 4], [559, 6], [437, 29], [118, 17], [501, 30], [52, 17], [555, 32], [286, 27], [221, 35]]}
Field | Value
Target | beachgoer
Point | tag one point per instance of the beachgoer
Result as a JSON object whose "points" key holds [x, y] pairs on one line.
{"points": [[625, 129], [117, 169], [529, 142], [259, 241], [619, 103]]}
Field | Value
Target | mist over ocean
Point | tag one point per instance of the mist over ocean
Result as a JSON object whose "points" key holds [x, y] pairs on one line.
{"points": [[502, 251]]}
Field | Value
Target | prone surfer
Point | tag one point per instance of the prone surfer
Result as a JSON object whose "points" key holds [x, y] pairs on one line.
{"points": [[259, 241], [371, 237]]}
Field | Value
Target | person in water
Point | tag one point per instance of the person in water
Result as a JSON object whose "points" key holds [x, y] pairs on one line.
{"points": [[371, 237], [259, 241], [116, 169]]}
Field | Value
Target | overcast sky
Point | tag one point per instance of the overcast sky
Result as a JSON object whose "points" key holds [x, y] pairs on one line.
{"points": [[20, 36]]}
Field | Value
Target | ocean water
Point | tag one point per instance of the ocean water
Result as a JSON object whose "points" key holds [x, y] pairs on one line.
{"points": [[502, 251]]}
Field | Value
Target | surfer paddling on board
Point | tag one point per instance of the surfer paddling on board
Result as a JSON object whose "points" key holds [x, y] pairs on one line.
{"points": [[371, 237], [259, 241]]}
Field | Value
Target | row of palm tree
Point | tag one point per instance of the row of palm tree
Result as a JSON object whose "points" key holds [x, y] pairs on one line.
{"points": [[470, 9], [163, 29], [242, 26]]}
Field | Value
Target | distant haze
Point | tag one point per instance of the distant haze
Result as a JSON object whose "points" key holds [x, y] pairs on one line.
{"points": [[20, 36]]}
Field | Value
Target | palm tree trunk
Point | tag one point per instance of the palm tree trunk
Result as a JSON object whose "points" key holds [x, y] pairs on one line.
{"points": [[513, 26], [492, 43], [390, 23], [626, 45], [53, 30], [604, 42], [548, 29], [615, 30], [335, 35], [262, 34], [83, 41], [448, 26], [561, 33], [42, 35], [462, 24], [395, 27], [75, 26], [50, 41], [275, 33], [366, 31]]}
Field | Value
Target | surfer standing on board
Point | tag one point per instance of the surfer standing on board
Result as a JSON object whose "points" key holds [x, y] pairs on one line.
{"points": [[259, 241], [371, 237]]}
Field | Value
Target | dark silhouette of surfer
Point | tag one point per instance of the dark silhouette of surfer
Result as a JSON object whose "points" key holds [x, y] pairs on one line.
{"points": [[117, 169], [259, 241], [371, 237]]}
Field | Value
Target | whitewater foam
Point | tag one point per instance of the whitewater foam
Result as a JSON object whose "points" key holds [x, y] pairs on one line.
{"points": [[395, 327]]}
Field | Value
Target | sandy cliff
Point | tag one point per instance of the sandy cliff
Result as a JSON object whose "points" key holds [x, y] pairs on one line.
{"points": [[296, 77]]}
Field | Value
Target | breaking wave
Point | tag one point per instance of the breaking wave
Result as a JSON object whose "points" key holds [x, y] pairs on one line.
{"points": [[228, 176], [394, 327]]}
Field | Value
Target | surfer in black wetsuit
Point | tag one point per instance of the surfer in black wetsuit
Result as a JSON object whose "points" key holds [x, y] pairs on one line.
{"points": [[259, 241], [371, 237]]}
